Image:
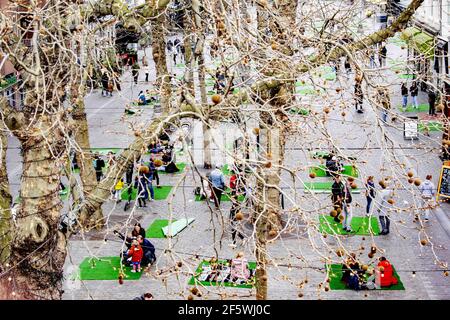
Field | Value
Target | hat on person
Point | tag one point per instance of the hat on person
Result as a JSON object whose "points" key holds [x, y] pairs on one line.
{"points": [[218, 166], [333, 158]]}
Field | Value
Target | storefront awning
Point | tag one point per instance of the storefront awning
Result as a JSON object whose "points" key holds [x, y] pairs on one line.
{"points": [[419, 40]]}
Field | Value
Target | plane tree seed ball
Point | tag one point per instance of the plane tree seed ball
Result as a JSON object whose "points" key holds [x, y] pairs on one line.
{"points": [[312, 175], [410, 174], [417, 182], [216, 99], [423, 242], [239, 216]]}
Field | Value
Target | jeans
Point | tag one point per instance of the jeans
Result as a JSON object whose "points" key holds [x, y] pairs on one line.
{"points": [[415, 102], [426, 203], [98, 175], [347, 211], [152, 191], [141, 202], [404, 101], [385, 223], [369, 203], [384, 115]]}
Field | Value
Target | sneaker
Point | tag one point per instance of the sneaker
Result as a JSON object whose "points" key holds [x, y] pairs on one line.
{"points": [[134, 271], [139, 270], [159, 187], [232, 245]]}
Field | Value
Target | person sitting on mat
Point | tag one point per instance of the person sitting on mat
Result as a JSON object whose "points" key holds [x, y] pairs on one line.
{"points": [[155, 147], [142, 100], [239, 268], [167, 158], [384, 274], [149, 250], [351, 273]]}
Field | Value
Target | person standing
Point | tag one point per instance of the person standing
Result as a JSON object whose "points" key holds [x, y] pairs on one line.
{"points": [[105, 82], [432, 102], [139, 184], [358, 95], [218, 184], [99, 164], [347, 208], [414, 90], [118, 190], [337, 195], [384, 195], [382, 55], [147, 72], [135, 72], [370, 193], [404, 90], [233, 211], [427, 191]]}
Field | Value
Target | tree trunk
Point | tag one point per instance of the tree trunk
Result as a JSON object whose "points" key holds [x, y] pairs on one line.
{"points": [[38, 249], [5, 201], [163, 78]]}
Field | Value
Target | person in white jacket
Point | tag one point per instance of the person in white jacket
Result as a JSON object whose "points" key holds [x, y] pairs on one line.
{"points": [[383, 206], [427, 191]]}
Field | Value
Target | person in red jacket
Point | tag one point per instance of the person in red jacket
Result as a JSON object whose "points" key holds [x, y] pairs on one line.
{"points": [[386, 273], [136, 253]]}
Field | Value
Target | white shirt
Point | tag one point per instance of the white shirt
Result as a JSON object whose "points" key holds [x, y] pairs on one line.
{"points": [[383, 196]]}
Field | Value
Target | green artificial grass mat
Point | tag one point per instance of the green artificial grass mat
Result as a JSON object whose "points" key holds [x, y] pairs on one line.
{"points": [[335, 274], [320, 154], [322, 187], [410, 108], [320, 171], [211, 92], [407, 76], [361, 225], [105, 268], [194, 281], [431, 126], [225, 197], [180, 165], [155, 230], [301, 111], [226, 170], [160, 193], [180, 65]]}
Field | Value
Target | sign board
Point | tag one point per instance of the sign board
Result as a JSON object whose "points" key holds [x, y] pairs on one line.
{"points": [[443, 189], [411, 130]]}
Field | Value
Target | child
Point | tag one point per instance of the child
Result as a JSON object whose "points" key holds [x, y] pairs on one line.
{"points": [[118, 190], [136, 254]]}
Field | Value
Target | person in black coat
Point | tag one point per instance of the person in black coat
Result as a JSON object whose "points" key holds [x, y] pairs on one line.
{"points": [[138, 230], [414, 90], [432, 102]]}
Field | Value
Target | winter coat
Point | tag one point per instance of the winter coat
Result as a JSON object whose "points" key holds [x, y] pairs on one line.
{"points": [[136, 253], [386, 277], [119, 185], [414, 91], [427, 189], [404, 91]]}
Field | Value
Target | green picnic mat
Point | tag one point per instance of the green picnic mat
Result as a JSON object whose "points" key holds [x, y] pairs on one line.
{"points": [[410, 108], [105, 268], [431, 126], [307, 89], [320, 171], [407, 76], [320, 154], [225, 197], [359, 224], [180, 165], [335, 274], [160, 193], [226, 170], [301, 111], [248, 285], [322, 187], [155, 230]]}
